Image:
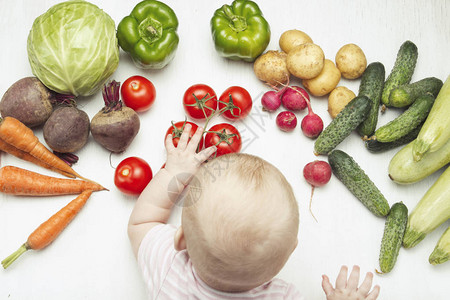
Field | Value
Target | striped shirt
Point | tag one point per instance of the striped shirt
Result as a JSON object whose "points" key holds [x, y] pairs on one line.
{"points": [[169, 274]]}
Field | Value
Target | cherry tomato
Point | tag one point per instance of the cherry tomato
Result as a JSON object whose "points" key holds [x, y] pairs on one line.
{"points": [[237, 100], [177, 129], [132, 175], [225, 137], [138, 93], [199, 101]]}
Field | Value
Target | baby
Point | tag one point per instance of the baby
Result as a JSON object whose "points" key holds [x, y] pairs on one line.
{"points": [[239, 226]]}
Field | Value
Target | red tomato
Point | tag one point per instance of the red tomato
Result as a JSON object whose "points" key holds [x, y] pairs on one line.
{"points": [[132, 175], [177, 129], [138, 93], [225, 137], [199, 101], [238, 100]]}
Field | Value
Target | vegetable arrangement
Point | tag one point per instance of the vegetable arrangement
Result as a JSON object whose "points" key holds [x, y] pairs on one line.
{"points": [[149, 36]]}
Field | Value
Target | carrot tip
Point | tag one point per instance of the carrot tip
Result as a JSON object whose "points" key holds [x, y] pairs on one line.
{"points": [[10, 259]]}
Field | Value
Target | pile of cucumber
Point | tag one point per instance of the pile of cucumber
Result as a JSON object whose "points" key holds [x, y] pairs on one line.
{"points": [[361, 114]]}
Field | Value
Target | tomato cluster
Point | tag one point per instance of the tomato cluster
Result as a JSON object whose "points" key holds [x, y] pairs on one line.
{"points": [[201, 104]]}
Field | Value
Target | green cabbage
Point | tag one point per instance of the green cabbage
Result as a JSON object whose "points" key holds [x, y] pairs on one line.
{"points": [[72, 48]]}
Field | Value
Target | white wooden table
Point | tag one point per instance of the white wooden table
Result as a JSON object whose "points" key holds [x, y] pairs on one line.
{"points": [[92, 259]]}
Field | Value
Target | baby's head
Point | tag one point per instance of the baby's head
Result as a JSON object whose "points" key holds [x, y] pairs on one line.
{"points": [[240, 222]]}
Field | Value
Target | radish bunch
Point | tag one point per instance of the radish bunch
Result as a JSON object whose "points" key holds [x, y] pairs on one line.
{"points": [[293, 99]]}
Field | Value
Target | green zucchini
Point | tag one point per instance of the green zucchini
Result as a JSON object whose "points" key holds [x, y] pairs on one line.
{"points": [[375, 146], [359, 184], [435, 132], [340, 127], [371, 86], [431, 211], [394, 230], [441, 252], [404, 170], [402, 71], [407, 121], [406, 94]]}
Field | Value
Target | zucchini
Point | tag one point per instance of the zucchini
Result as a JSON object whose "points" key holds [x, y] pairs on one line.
{"points": [[340, 127], [371, 86], [407, 121], [394, 230], [404, 170], [431, 211], [359, 184], [406, 94], [435, 132], [375, 146], [441, 252], [402, 71]]}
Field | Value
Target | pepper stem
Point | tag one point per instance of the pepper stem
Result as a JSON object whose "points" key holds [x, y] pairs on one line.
{"points": [[10, 259], [237, 23], [150, 30]]}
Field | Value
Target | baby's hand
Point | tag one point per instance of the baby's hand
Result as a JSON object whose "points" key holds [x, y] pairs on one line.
{"points": [[183, 161], [348, 290]]}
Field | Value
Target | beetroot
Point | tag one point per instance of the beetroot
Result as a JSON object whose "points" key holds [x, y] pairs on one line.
{"points": [[312, 124], [316, 173], [295, 98], [286, 121], [115, 126]]}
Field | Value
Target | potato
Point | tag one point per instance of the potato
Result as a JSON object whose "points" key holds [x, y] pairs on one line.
{"points": [[325, 82], [305, 61], [338, 99], [293, 38], [29, 101], [351, 61], [271, 67]]}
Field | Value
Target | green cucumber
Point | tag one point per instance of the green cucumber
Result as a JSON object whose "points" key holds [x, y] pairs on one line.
{"points": [[407, 121], [371, 86], [359, 184], [402, 71], [394, 230], [406, 94], [340, 127], [375, 146]]}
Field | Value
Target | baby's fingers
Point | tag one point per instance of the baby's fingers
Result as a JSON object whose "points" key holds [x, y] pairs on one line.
{"points": [[366, 284], [169, 143], [353, 279], [326, 285], [184, 138], [193, 143], [205, 154], [374, 293], [341, 280]]}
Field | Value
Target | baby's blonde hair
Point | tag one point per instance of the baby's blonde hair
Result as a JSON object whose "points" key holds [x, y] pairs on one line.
{"points": [[240, 222]]}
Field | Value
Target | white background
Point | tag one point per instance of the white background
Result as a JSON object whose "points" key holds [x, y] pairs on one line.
{"points": [[92, 258]]}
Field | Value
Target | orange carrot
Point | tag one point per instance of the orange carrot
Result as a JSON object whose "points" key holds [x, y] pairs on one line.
{"points": [[18, 135], [18, 181], [48, 231], [28, 157]]}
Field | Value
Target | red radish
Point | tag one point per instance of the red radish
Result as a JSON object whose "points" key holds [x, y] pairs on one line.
{"points": [[312, 124], [271, 100], [286, 121], [295, 98], [316, 173]]}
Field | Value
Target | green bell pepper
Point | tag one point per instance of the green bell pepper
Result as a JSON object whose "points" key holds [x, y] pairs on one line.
{"points": [[240, 31], [149, 34]]}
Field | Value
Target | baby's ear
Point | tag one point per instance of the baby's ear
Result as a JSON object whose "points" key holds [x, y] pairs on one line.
{"points": [[179, 241]]}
